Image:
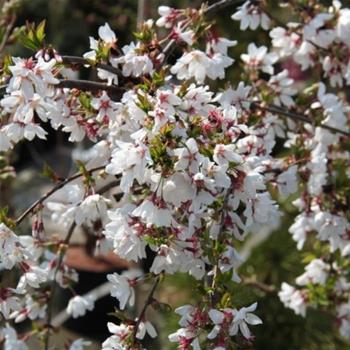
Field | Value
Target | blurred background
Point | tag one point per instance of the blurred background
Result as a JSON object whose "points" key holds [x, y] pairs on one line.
{"points": [[270, 258]]}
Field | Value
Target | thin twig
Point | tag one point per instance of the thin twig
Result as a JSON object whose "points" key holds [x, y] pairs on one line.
{"points": [[87, 85], [54, 284], [259, 285], [83, 61], [296, 116], [222, 224], [99, 292], [219, 5], [84, 85], [140, 13], [8, 32], [52, 191], [148, 302], [169, 48]]}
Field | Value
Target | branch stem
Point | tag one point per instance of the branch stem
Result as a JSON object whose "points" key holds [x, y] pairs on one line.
{"points": [[59, 263], [83, 61], [148, 302], [296, 116], [61, 184]]}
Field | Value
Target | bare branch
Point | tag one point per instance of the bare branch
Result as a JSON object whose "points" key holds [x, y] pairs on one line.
{"points": [[8, 32], [259, 285], [219, 5]]}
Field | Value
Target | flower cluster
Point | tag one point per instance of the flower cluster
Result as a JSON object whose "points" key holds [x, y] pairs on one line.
{"points": [[198, 168]]}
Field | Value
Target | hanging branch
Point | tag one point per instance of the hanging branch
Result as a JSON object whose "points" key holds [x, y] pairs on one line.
{"points": [[54, 284], [59, 263], [148, 302]]}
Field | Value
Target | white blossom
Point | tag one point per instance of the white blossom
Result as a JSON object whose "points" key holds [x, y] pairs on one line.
{"points": [[78, 305]]}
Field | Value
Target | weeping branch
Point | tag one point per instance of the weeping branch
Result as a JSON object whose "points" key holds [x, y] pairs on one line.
{"points": [[62, 252], [148, 302]]}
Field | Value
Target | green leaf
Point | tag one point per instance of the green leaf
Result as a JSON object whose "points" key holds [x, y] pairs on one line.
{"points": [[49, 173], [85, 101], [4, 217], [33, 37], [40, 31]]}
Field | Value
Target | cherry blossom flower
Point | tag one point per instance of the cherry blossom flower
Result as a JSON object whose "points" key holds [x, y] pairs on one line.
{"points": [[107, 35], [133, 63], [12, 342], [154, 212], [315, 272], [259, 58], [251, 17], [33, 276], [234, 321], [79, 344], [185, 338], [125, 235], [78, 305], [293, 299], [145, 327], [130, 160], [116, 341], [313, 30], [91, 209], [282, 87], [9, 301], [168, 16], [105, 107], [193, 64], [122, 289]]}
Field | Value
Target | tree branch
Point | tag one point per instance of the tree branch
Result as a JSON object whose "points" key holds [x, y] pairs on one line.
{"points": [[8, 31], [219, 5], [169, 48], [259, 285], [52, 191], [83, 61], [59, 263], [54, 284], [84, 85], [87, 85], [148, 302], [296, 116]]}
